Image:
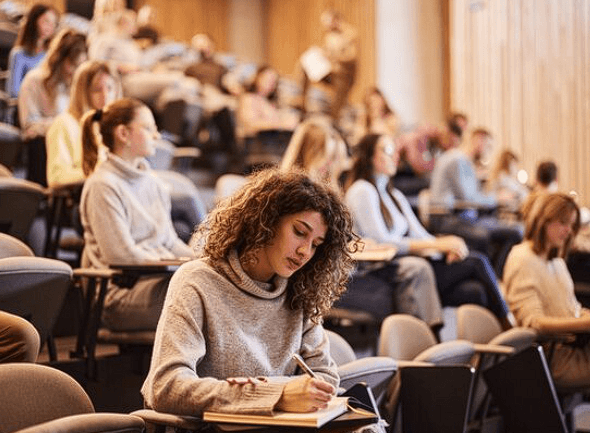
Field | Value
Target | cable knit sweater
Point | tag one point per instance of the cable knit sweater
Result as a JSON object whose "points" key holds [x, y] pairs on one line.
{"points": [[218, 323], [125, 213]]}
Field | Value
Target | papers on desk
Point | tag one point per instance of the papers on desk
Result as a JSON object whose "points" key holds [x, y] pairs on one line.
{"points": [[375, 253], [336, 407], [315, 64]]}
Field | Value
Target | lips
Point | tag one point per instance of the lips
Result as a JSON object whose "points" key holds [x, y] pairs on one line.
{"points": [[293, 264]]}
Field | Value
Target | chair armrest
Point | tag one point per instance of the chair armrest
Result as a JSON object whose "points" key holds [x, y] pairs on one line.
{"points": [[153, 417], [90, 423], [186, 152], [402, 364], [371, 370], [95, 273], [494, 349]]}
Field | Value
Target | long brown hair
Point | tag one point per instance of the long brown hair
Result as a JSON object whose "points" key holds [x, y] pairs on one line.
{"points": [[68, 44], [29, 32], [543, 209], [120, 112], [362, 168], [248, 221]]}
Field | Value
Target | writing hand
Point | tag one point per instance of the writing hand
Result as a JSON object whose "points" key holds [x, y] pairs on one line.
{"points": [[305, 394]]}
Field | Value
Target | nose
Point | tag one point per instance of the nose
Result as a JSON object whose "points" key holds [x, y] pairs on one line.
{"points": [[304, 251]]}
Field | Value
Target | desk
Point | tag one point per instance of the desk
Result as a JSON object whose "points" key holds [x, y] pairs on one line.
{"points": [[345, 423]]}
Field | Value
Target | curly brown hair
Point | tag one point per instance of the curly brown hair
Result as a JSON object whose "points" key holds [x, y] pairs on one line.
{"points": [[248, 221]]}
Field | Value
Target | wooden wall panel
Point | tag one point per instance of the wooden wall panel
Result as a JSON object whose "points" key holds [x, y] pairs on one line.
{"points": [[294, 25], [522, 70], [182, 19]]}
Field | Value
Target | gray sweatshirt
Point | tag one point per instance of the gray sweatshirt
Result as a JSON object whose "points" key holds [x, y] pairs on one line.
{"points": [[217, 323]]}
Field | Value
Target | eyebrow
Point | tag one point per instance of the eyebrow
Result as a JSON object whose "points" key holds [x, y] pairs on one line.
{"points": [[309, 227]]}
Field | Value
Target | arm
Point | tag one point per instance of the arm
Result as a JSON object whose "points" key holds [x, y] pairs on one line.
{"points": [[64, 163], [16, 72]]}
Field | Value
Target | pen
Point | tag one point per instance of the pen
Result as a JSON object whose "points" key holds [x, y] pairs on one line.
{"points": [[301, 363]]}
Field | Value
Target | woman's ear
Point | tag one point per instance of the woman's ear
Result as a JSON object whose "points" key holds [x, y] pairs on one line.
{"points": [[121, 134]]}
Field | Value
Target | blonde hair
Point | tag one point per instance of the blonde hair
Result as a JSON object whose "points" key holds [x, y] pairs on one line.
{"points": [[82, 82]]}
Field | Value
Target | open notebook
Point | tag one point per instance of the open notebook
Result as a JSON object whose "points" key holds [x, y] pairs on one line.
{"points": [[336, 407]]}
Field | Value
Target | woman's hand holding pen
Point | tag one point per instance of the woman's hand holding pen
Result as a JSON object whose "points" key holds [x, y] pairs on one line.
{"points": [[305, 394]]}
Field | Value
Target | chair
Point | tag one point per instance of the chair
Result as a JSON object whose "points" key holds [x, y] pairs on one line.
{"points": [[93, 285], [394, 342], [12, 247], [41, 399], [35, 288], [375, 371], [19, 203], [411, 342], [479, 325], [10, 143]]}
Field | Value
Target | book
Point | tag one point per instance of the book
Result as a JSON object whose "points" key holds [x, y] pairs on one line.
{"points": [[315, 64], [336, 407]]}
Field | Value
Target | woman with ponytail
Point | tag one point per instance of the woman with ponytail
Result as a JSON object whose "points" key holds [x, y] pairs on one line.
{"points": [[383, 213], [125, 210]]}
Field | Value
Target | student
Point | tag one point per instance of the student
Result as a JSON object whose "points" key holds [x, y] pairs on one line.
{"points": [[379, 117], [232, 319], [95, 85], [258, 108], [383, 214], [19, 340], [404, 285], [125, 211], [540, 290], [45, 93], [503, 181], [455, 179], [31, 45]]}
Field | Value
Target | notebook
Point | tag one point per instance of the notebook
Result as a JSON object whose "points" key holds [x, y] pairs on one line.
{"points": [[335, 408]]}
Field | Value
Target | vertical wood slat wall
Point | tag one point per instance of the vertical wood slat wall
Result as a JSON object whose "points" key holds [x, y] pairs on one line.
{"points": [[522, 69], [294, 25]]}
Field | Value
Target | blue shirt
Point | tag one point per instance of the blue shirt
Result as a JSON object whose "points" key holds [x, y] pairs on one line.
{"points": [[19, 63]]}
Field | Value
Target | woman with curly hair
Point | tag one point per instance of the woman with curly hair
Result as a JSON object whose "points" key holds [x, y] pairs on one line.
{"points": [[275, 257]]}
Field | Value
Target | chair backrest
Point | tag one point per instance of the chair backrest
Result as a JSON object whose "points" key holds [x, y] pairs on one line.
{"points": [[476, 324], [227, 184], [34, 288], [13, 247], [340, 350], [33, 394], [19, 203], [403, 337]]}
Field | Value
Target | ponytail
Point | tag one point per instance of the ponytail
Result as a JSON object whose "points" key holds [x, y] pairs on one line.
{"points": [[89, 141], [120, 112]]}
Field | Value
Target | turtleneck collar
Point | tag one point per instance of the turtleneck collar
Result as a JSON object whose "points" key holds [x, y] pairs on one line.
{"points": [[381, 182], [127, 169], [232, 269]]}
